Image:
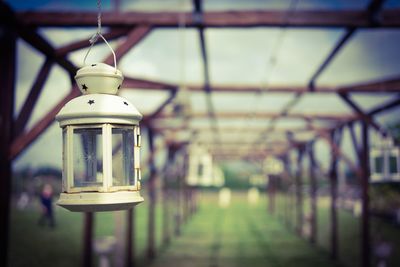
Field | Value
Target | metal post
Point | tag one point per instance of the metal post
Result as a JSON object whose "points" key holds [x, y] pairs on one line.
{"points": [[151, 251], [7, 81], [185, 190], [286, 194], [299, 193], [165, 197], [87, 240], [313, 195], [335, 140], [130, 241], [271, 194], [365, 234]]}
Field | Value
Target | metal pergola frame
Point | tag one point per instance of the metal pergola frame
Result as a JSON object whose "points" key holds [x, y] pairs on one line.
{"points": [[135, 26]]}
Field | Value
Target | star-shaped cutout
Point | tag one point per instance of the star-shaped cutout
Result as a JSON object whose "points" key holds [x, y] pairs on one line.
{"points": [[125, 103], [90, 102], [84, 87]]}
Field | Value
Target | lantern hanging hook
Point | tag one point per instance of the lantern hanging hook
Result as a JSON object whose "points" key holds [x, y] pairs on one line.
{"points": [[98, 35]]}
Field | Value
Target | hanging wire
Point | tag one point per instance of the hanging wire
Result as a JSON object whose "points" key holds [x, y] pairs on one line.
{"points": [[98, 35], [182, 39], [182, 89], [273, 58], [271, 63]]}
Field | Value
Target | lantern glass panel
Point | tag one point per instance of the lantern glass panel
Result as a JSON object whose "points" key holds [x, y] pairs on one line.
{"points": [[379, 162], [392, 164], [88, 157], [123, 165]]}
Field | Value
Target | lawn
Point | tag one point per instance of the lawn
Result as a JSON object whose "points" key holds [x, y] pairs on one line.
{"points": [[32, 245], [349, 233], [241, 235]]}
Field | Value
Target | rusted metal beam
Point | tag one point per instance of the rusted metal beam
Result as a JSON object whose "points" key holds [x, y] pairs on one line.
{"points": [[269, 115], [87, 256], [198, 15], [335, 139], [130, 248], [365, 217], [134, 37], [130, 82], [7, 100], [27, 108], [361, 113], [22, 141], [391, 85], [372, 10], [313, 194], [383, 86], [299, 192], [385, 107], [111, 35], [151, 242], [166, 194], [248, 18], [149, 118], [236, 130], [341, 42], [338, 152], [354, 141], [30, 35]]}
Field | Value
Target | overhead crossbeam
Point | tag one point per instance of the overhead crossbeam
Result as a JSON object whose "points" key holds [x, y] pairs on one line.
{"points": [[271, 115], [361, 113], [372, 10], [248, 18], [391, 85]]}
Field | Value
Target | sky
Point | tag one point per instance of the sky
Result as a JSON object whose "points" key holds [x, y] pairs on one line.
{"points": [[236, 57]]}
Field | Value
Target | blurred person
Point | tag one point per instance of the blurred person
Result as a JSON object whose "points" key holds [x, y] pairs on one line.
{"points": [[46, 201]]}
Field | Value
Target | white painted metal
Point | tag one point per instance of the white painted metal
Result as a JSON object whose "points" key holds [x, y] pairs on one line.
{"points": [[382, 156], [100, 108]]}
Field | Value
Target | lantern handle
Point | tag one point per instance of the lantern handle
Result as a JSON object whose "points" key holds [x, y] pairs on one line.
{"points": [[98, 34], [93, 40]]}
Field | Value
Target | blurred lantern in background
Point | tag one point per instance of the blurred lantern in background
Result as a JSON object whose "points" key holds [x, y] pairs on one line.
{"points": [[200, 168], [259, 180], [218, 176], [181, 105], [101, 142], [385, 161], [272, 166]]}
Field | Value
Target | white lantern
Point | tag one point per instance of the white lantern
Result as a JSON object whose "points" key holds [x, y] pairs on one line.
{"points": [[181, 104], [200, 168], [218, 176], [385, 162], [273, 166], [101, 142]]}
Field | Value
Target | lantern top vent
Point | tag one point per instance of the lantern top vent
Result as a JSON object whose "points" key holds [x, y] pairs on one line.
{"points": [[99, 78]]}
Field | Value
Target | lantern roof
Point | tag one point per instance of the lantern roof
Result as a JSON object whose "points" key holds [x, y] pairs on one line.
{"points": [[98, 108], [99, 103]]}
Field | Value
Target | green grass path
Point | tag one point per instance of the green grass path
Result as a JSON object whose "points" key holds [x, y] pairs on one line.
{"points": [[240, 235]]}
